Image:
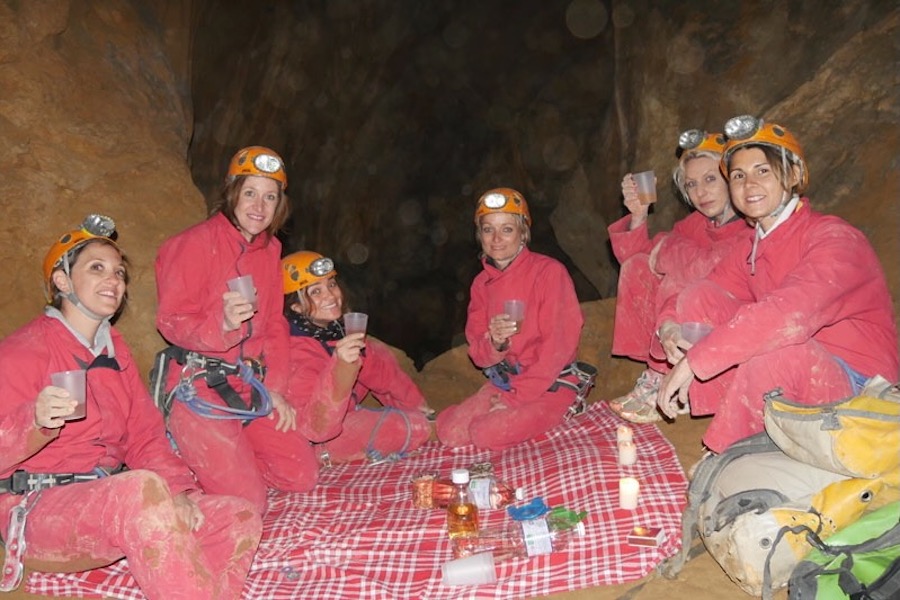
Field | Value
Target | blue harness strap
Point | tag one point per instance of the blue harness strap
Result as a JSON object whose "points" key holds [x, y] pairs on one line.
{"points": [[857, 379]]}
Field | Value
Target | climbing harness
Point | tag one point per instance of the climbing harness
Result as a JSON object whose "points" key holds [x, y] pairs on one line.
{"points": [[31, 486], [584, 374], [374, 456], [214, 372], [13, 562], [500, 372]]}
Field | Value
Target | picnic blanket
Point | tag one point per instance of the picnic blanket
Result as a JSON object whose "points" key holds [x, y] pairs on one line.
{"points": [[357, 535]]}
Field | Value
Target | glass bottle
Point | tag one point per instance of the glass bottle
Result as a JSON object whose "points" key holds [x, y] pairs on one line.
{"points": [[462, 514]]}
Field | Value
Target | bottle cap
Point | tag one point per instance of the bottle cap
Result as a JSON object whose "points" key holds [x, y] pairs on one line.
{"points": [[563, 518], [519, 493], [534, 509], [459, 475]]}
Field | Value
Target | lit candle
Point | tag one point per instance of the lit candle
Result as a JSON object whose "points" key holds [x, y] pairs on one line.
{"points": [[628, 493], [627, 453], [623, 434]]}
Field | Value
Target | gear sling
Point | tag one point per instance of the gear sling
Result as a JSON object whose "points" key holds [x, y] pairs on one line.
{"points": [[214, 372]]}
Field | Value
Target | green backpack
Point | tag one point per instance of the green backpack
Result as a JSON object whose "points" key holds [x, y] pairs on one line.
{"points": [[859, 562]]}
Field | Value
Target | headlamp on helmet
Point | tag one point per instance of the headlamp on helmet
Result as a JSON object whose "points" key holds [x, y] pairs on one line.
{"points": [[502, 200], [698, 141], [94, 226], [259, 161], [302, 269]]}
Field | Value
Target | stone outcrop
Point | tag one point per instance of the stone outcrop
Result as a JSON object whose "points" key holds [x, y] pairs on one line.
{"points": [[393, 116]]}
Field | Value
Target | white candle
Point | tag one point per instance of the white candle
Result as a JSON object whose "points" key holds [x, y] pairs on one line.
{"points": [[627, 453], [624, 434], [628, 493]]}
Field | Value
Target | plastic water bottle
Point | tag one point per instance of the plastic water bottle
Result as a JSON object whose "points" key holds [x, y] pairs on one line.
{"points": [[532, 536], [486, 492], [462, 514]]}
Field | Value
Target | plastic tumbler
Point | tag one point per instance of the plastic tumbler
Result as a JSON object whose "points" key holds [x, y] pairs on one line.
{"points": [[646, 186], [694, 332], [244, 286], [477, 569], [74, 383], [355, 322], [516, 311]]}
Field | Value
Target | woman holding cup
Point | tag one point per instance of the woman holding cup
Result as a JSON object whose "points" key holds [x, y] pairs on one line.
{"points": [[802, 305], [334, 366], [654, 270], [236, 431], [63, 478], [523, 358]]}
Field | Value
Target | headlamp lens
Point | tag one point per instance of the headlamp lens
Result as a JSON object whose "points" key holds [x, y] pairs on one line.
{"points": [[100, 225], [267, 163], [690, 139], [494, 200], [321, 267], [742, 127]]}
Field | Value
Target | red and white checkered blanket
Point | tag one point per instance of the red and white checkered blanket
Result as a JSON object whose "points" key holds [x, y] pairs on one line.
{"points": [[357, 534]]}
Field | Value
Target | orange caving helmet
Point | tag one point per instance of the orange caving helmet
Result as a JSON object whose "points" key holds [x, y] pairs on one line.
{"points": [[698, 140], [260, 161], [302, 269], [502, 200], [747, 130], [93, 227]]}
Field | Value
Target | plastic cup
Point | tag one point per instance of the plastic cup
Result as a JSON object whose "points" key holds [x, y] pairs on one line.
{"points": [[516, 311], [694, 332], [477, 569], [74, 383], [355, 322], [244, 286], [646, 186]]}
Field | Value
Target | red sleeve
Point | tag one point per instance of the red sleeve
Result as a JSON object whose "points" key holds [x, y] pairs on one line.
{"points": [[626, 242], [481, 349], [190, 311], [146, 444], [559, 322], [321, 398], [814, 293], [382, 375]]}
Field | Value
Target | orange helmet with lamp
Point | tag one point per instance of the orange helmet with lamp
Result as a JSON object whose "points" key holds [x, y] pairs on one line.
{"points": [[259, 161], [502, 200], [302, 269], [747, 130], [93, 227], [698, 140]]}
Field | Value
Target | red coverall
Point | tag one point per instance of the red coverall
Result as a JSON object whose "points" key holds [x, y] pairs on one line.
{"points": [[91, 524], [328, 410], [192, 269], [546, 343], [815, 291], [688, 253]]}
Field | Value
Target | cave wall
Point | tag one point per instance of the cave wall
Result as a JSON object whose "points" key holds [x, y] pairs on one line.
{"points": [[393, 115]]}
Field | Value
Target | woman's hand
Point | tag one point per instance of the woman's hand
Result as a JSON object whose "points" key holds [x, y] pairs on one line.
{"points": [[349, 347], [673, 389], [188, 512], [501, 328], [237, 310], [287, 416], [672, 342], [51, 405], [634, 205]]}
